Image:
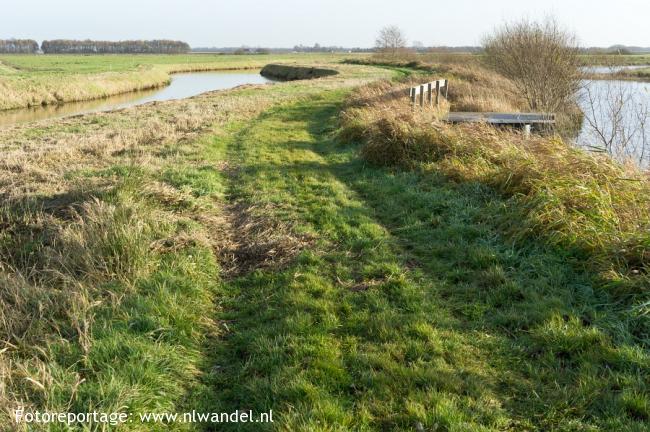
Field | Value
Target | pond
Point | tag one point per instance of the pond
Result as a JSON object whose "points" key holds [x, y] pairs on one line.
{"points": [[612, 69], [616, 119], [183, 85]]}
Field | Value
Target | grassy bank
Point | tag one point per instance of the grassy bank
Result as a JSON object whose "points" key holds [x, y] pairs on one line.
{"points": [[595, 210], [292, 72], [234, 251], [410, 305], [635, 74], [32, 80], [110, 254]]}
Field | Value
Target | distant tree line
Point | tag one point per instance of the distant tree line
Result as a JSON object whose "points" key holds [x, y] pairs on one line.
{"points": [[62, 46], [18, 46], [316, 48]]}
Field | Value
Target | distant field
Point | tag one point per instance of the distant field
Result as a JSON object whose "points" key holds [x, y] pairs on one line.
{"points": [[89, 64], [29, 80], [616, 60]]}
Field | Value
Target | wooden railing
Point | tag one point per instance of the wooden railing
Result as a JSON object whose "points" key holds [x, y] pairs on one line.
{"points": [[429, 89]]}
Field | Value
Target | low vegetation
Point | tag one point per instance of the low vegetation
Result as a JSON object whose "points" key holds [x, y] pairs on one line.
{"points": [[595, 209], [115, 236], [615, 59], [642, 74], [332, 255], [44, 80]]}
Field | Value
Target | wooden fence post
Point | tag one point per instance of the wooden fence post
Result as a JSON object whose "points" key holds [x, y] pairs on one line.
{"points": [[428, 87]]}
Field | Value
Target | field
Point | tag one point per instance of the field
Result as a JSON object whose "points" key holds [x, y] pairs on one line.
{"points": [[31, 80], [314, 250], [617, 60]]}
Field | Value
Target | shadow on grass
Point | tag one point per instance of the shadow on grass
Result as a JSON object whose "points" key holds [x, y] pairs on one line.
{"points": [[412, 307]]}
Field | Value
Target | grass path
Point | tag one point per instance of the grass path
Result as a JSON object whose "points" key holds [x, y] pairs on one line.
{"points": [[409, 306]]}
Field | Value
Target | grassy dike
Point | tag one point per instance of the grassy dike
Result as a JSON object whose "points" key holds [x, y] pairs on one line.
{"points": [[114, 230], [233, 251], [412, 304]]}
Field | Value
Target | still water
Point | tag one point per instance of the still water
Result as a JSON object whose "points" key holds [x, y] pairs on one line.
{"points": [[612, 69], [617, 116], [183, 85]]}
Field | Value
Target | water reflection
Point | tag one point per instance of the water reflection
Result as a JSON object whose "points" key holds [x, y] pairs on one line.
{"points": [[617, 119], [183, 85], [612, 69]]}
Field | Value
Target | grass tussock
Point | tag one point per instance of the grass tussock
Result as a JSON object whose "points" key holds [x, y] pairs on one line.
{"points": [[56, 272], [595, 209]]}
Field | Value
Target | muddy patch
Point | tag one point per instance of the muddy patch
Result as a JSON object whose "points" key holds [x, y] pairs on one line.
{"points": [[248, 239]]}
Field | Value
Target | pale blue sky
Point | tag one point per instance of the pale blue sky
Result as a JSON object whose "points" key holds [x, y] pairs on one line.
{"points": [[284, 23]]}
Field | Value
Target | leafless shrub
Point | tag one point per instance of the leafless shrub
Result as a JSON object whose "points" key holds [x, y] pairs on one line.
{"points": [[541, 59]]}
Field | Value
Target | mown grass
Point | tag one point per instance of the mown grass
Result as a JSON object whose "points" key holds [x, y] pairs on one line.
{"points": [[413, 306], [616, 60], [112, 229], [81, 64]]}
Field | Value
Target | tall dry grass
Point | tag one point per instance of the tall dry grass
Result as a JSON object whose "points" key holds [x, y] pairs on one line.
{"points": [[592, 207], [72, 243], [475, 88]]}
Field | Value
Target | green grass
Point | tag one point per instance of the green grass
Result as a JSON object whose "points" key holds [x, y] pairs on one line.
{"points": [[29, 80], [616, 60], [108, 269], [412, 305], [66, 64], [125, 327]]}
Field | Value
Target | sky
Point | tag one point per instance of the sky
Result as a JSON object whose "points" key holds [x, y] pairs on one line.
{"points": [[285, 23]]}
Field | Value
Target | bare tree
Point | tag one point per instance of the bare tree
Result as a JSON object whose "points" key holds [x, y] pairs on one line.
{"points": [[391, 41], [540, 58]]}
